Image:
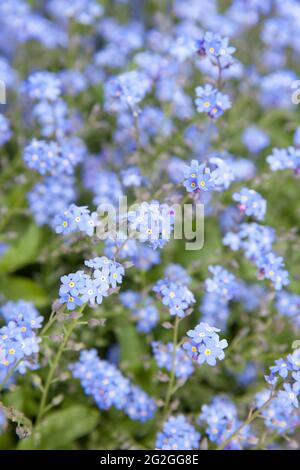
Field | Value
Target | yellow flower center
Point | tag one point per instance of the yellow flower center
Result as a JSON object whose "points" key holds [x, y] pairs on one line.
{"points": [[206, 104], [207, 352], [12, 351]]}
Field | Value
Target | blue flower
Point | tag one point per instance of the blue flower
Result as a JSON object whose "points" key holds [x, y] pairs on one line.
{"points": [[211, 101], [50, 197], [251, 203], [294, 360], [175, 296], [223, 282], [163, 354], [198, 178], [5, 131], [216, 48], [139, 406], [204, 344], [74, 219], [85, 12], [255, 139], [126, 91], [282, 159], [108, 387], [270, 267], [288, 396], [177, 434], [43, 85], [281, 367]]}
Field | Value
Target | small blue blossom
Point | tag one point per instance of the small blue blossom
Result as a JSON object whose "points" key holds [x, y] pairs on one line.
{"points": [[177, 297], [107, 385], [211, 101], [223, 282], [255, 139], [288, 396], [5, 131], [198, 178], [204, 344], [50, 197], [126, 91], [75, 219], [163, 354], [282, 159], [177, 434], [216, 49], [85, 12], [152, 223], [139, 407], [251, 203], [43, 85]]}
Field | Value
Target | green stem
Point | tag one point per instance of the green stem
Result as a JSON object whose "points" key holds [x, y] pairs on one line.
{"points": [[170, 390], [48, 325], [54, 366], [251, 417]]}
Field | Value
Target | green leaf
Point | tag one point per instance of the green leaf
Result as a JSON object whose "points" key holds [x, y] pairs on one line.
{"points": [[131, 346], [16, 287], [24, 251], [59, 429]]}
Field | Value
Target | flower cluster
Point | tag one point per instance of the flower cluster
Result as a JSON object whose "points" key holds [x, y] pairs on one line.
{"points": [[204, 344], [198, 178], [43, 85], [76, 219], [85, 12], [223, 282], [51, 197], [211, 101], [19, 343], [176, 296], [255, 139], [152, 223], [53, 157], [177, 434], [280, 414], [214, 310], [216, 48], [79, 288], [256, 241], [251, 203], [163, 354], [108, 387], [282, 159], [221, 420], [144, 312], [126, 91], [288, 305]]}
